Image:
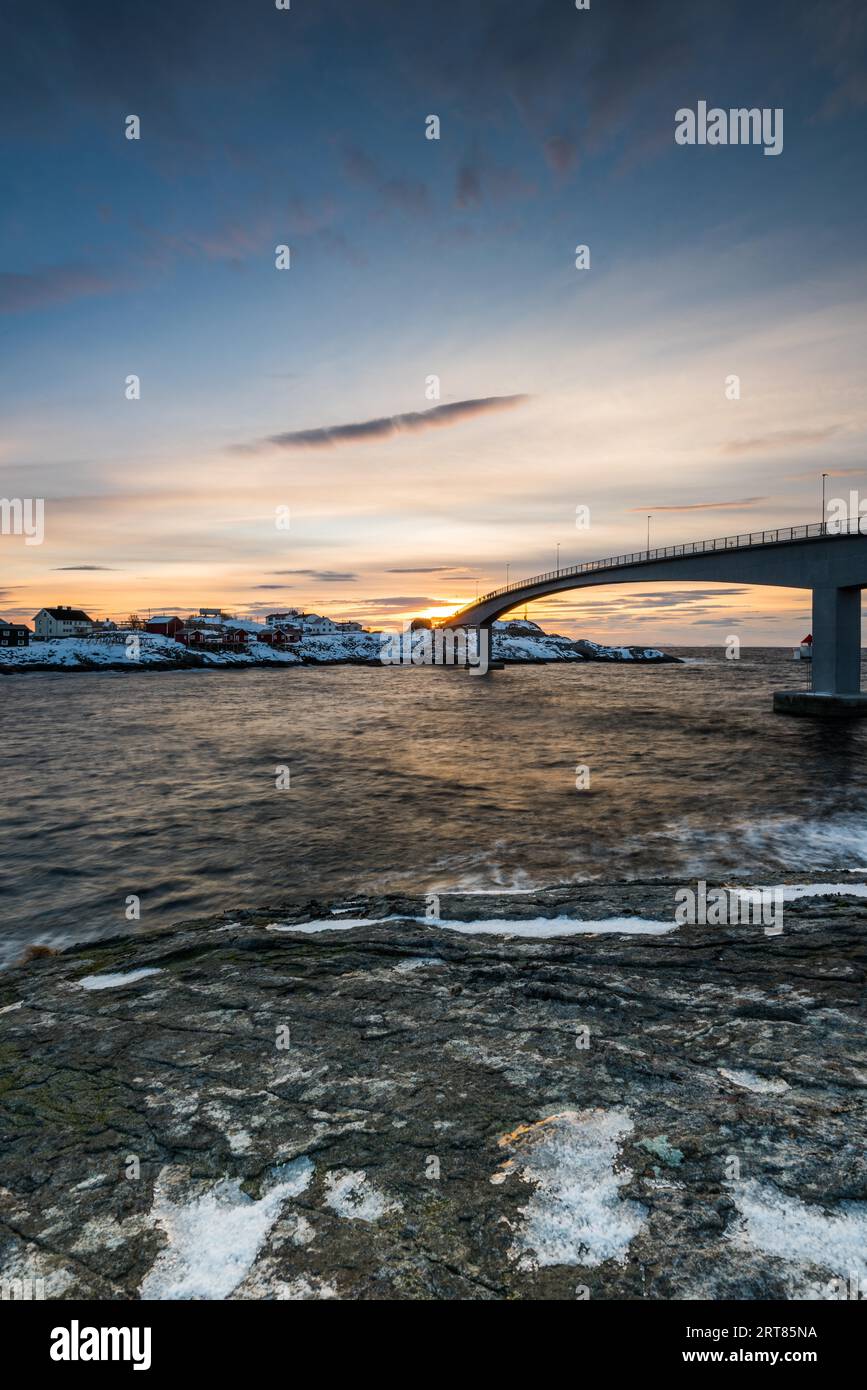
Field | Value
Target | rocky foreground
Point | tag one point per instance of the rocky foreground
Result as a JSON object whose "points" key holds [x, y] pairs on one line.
{"points": [[259, 1108]]}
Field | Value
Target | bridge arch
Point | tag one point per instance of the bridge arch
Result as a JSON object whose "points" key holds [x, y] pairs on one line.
{"points": [[828, 558]]}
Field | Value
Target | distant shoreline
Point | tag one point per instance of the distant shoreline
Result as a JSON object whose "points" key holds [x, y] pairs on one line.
{"points": [[155, 652]]}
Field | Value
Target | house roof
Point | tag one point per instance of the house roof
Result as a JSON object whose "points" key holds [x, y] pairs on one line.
{"points": [[22, 627], [68, 615], [165, 618]]}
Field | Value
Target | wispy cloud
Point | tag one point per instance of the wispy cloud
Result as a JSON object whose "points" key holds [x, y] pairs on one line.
{"points": [[658, 599], [326, 576], [780, 439], [738, 504], [40, 289], [389, 426], [404, 194], [831, 472], [58, 568], [399, 603]]}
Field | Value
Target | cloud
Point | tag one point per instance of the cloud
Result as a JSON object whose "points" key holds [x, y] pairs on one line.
{"points": [[739, 504], [838, 38], [831, 472], [399, 603], [61, 56], [54, 285], [622, 604], [781, 439], [58, 568], [388, 426], [478, 179], [469, 187], [431, 569], [404, 194], [561, 153], [326, 576]]}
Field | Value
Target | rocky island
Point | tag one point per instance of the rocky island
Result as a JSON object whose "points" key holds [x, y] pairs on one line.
{"points": [[560, 1094], [516, 642]]}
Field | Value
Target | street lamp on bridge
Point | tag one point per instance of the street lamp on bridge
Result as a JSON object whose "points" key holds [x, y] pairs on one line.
{"points": [[824, 476], [649, 519], [558, 557]]}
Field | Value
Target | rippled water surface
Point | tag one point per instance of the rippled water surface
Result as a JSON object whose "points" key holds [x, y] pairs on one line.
{"points": [[163, 785]]}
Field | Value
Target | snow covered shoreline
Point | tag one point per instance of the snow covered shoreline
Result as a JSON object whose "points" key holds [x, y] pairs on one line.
{"points": [[157, 653]]}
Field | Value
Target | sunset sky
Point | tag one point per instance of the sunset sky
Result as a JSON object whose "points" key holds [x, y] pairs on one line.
{"points": [[264, 389]]}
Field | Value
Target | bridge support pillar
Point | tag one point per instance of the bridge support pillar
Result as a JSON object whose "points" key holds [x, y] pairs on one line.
{"points": [[836, 641], [836, 664]]}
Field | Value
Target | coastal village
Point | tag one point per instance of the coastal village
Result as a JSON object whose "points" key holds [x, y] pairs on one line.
{"points": [[209, 629], [68, 638]]}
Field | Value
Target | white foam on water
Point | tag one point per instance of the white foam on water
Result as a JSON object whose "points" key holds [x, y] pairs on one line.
{"points": [[826, 844], [576, 1215], [484, 878], [801, 1233], [352, 1195], [214, 1239], [557, 926], [778, 844], [115, 981], [751, 1081]]}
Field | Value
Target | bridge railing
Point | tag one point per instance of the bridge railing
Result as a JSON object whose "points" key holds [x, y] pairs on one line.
{"points": [[815, 530]]}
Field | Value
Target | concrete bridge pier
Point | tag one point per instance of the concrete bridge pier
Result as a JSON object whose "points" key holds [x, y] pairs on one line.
{"points": [[475, 642], [836, 664], [482, 640]]}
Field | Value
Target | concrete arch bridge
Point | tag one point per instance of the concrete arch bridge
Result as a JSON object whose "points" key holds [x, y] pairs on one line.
{"points": [[829, 558]]}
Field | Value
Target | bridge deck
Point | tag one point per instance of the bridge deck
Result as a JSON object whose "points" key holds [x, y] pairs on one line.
{"points": [[746, 541]]}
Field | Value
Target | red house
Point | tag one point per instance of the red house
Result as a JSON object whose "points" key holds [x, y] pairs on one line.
{"points": [[165, 626], [201, 637], [280, 635]]}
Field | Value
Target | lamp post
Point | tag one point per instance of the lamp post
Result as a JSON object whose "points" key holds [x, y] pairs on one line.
{"points": [[508, 567], [558, 557], [824, 476], [649, 519]]}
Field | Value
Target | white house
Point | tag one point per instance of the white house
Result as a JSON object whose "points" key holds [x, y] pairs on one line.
{"points": [[287, 615], [62, 622], [316, 626]]}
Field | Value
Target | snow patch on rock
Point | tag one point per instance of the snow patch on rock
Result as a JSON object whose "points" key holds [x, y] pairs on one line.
{"points": [[576, 1215], [115, 981], [801, 1233], [790, 892], [329, 924], [214, 1239], [751, 1081], [555, 926], [351, 1194]]}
